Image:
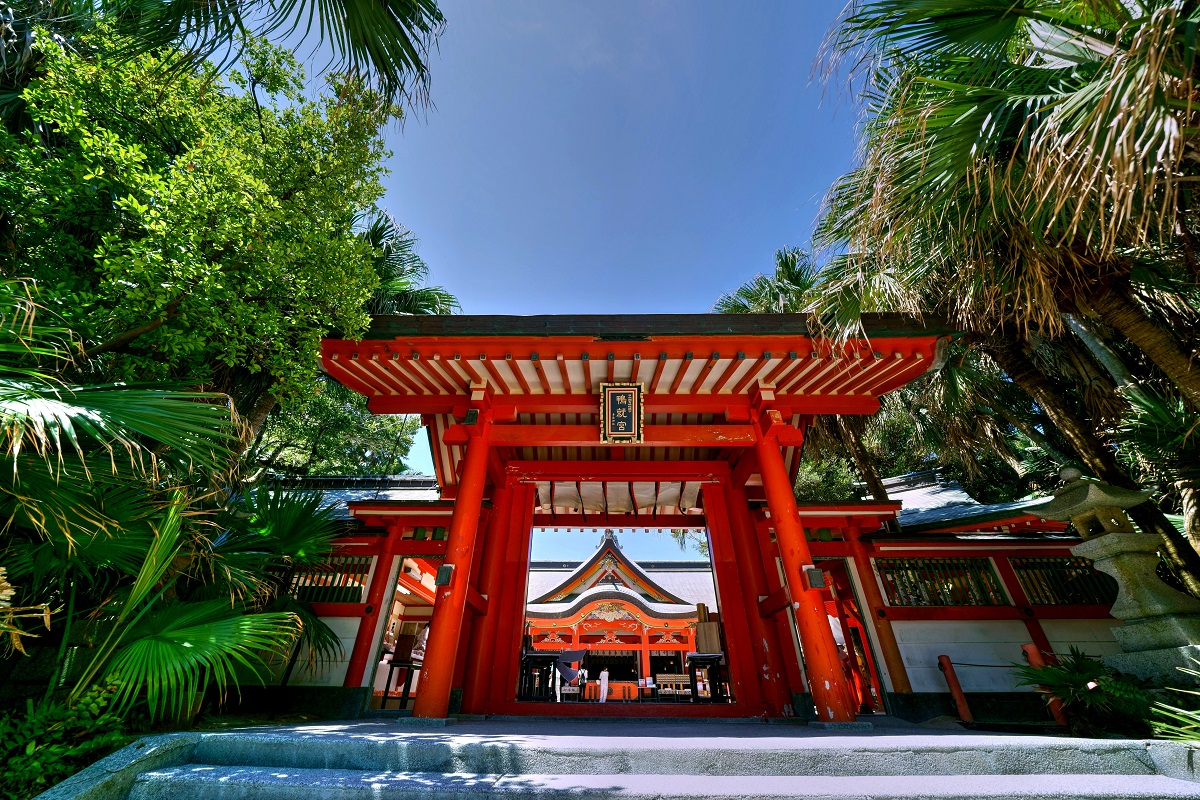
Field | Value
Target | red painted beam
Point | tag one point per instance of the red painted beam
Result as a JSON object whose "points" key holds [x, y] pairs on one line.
{"points": [[544, 519], [422, 547], [476, 602], [414, 586], [936, 549], [734, 407], [655, 436], [773, 603], [588, 471], [339, 609]]}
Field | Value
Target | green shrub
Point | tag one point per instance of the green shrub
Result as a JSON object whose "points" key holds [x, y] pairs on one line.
{"points": [[1096, 698], [1179, 719], [50, 742]]}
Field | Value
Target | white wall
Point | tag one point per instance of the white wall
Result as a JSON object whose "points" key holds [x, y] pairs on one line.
{"points": [[332, 674], [993, 642], [1092, 636]]}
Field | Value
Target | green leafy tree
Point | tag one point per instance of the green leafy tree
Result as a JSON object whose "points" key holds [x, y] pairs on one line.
{"points": [[828, 479], [330, 431], [196, 230]]}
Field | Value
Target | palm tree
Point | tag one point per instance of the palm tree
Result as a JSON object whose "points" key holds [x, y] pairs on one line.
{"points": [[1164, 439], [57, 438], [784, 291], [977, 114], [789, 290], [1053, 142], [388, 41], [402, 273], [89, 526]]}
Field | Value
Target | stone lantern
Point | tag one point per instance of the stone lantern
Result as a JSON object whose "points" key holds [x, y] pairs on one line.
{"points": [[1161, 630]]}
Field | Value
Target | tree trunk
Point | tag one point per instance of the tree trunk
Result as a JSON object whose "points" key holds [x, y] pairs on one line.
{"points": [[1190, 491], [121, 340], [257, 417], [851, 433], [1097, 458], [1100, 350], [1118, 308], [1031, 433]]}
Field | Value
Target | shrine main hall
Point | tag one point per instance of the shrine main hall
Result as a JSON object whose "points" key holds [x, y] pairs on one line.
{"points": [[668, 422]]}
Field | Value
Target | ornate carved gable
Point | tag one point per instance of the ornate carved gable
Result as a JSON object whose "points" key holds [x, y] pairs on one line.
{"points": [[610, 612]]}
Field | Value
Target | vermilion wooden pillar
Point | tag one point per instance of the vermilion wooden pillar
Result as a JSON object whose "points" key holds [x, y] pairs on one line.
{"points": [[736, 616], [378, 596], [785, 631], [769, 656], [449, 608], [888, 647], [483, 636], [510, 624], [825, 677], [466, 643]]}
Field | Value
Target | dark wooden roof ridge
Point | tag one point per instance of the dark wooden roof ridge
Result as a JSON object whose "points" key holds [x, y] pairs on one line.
{"points": [[639, 327]]}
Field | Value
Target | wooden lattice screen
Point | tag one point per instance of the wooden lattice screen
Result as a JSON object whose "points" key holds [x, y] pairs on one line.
{"points": [[940, 582], [340, 579], [1063, 581]]}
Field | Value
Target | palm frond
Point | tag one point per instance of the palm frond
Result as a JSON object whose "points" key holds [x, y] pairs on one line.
{"points": [[172, 653], [52, 420], [296, 525], [387, 41], [402, 273]]}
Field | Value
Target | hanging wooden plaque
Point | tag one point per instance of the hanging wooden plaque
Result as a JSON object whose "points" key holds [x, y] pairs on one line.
{"points": [[621, 413]]}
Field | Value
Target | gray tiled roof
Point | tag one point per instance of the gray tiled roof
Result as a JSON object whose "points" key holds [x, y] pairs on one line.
{"points": [[973, 513], [929, 502], [340, 491]]}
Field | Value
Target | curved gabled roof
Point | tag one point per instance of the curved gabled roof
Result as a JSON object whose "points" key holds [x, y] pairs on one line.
{"points": [[598, 594], [608, 559]]}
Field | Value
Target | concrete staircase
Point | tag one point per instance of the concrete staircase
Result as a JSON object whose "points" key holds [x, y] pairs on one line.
{"points": [[386, 761]]}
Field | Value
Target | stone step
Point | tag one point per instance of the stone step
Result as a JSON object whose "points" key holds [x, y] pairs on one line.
{"points": [[684, 755], [214, 782]]}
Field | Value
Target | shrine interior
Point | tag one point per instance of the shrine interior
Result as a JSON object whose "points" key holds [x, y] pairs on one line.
{"points": [[610, 628]]}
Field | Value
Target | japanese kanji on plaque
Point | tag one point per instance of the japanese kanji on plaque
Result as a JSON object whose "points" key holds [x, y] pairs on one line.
{"points": [[621, 412]]}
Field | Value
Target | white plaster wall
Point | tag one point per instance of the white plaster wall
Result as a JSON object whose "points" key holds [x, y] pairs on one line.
{"points": [[334, 673], [994, 642], [1092, 636]]}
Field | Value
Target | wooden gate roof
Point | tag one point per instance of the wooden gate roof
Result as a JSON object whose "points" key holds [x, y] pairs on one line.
{"points": [[697, 370]]}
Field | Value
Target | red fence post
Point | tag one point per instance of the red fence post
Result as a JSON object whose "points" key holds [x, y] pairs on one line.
{"points": [[960, 699], [1034, 656]]}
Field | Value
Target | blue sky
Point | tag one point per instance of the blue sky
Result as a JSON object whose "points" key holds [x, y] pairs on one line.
{"points": [[616, 157]]}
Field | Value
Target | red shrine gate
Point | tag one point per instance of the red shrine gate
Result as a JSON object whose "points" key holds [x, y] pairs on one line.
{"points": [[520, 439]]}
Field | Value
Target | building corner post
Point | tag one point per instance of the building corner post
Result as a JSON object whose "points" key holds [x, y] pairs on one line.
{"points": [[884, 635], [378, 597]]}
